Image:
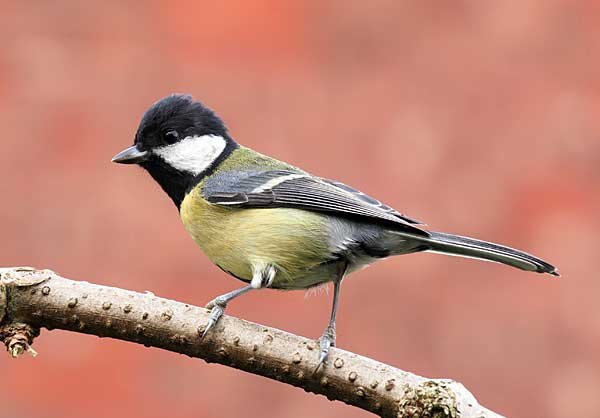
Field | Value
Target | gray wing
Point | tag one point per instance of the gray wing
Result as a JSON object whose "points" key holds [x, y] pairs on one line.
{"points": [[372, 201], [282, 188]]}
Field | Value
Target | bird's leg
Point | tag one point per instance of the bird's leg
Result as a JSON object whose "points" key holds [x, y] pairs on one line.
{"points": [[328, 338], [262, 276], [217, 306]]}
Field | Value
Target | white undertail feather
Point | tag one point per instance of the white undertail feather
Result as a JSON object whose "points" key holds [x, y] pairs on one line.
{"points": [[319, 289], [193, 154]]}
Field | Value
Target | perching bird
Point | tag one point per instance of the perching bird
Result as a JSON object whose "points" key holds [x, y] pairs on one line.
{"points": [[273, 225]]}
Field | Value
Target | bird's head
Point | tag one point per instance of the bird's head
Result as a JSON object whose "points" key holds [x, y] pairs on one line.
{"points": [[178, 141]]}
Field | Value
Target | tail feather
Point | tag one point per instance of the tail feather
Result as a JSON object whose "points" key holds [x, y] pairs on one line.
{"points": [[469, 247]]}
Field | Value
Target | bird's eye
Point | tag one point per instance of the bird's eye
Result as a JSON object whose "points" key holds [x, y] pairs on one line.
{"points": [[171, 137]]}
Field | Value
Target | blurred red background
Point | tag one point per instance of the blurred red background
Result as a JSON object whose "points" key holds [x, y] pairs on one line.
{"points": [[480, 118]]}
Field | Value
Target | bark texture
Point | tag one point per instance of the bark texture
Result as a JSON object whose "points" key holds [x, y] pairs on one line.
{"points": [[32, 299]]}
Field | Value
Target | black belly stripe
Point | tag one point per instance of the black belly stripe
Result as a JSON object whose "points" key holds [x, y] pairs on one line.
{"points": [[231, 274]]}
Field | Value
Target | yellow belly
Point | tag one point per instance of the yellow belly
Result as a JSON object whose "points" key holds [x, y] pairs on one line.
{"points": [[294, 241]]}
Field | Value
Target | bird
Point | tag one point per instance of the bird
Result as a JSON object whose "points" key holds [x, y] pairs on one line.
{"points": [[273, 225]]}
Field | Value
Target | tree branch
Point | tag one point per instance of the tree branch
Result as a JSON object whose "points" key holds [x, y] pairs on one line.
{"points": [[31, 299]]}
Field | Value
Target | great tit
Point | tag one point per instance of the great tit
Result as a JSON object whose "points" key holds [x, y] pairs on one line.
{"points": [[272, 225]]}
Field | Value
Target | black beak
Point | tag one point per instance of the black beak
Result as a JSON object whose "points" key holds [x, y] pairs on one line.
{"points": [[131, 155]]}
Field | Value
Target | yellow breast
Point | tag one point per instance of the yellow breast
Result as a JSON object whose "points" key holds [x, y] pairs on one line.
{"points": [[292, 240]]}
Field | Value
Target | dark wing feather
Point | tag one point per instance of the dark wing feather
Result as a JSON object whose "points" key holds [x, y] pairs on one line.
{"points": [[373, 201], [280, 188]]}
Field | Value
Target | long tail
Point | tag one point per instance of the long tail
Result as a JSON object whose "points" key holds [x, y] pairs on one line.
{"points": [[469, 247]]}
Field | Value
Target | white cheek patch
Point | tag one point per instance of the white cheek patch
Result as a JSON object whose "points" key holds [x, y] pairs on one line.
{"points": [[193, 154]]}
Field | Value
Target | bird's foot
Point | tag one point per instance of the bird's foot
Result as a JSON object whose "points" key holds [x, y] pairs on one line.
{"points": [[326, 341], [217, 308]]}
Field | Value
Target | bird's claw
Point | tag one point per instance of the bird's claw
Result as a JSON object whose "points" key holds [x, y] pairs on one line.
{"points": [[216, 312], [326, 341]]}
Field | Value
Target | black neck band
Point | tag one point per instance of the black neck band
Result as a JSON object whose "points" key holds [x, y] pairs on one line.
{"points": [[178, 183]]}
